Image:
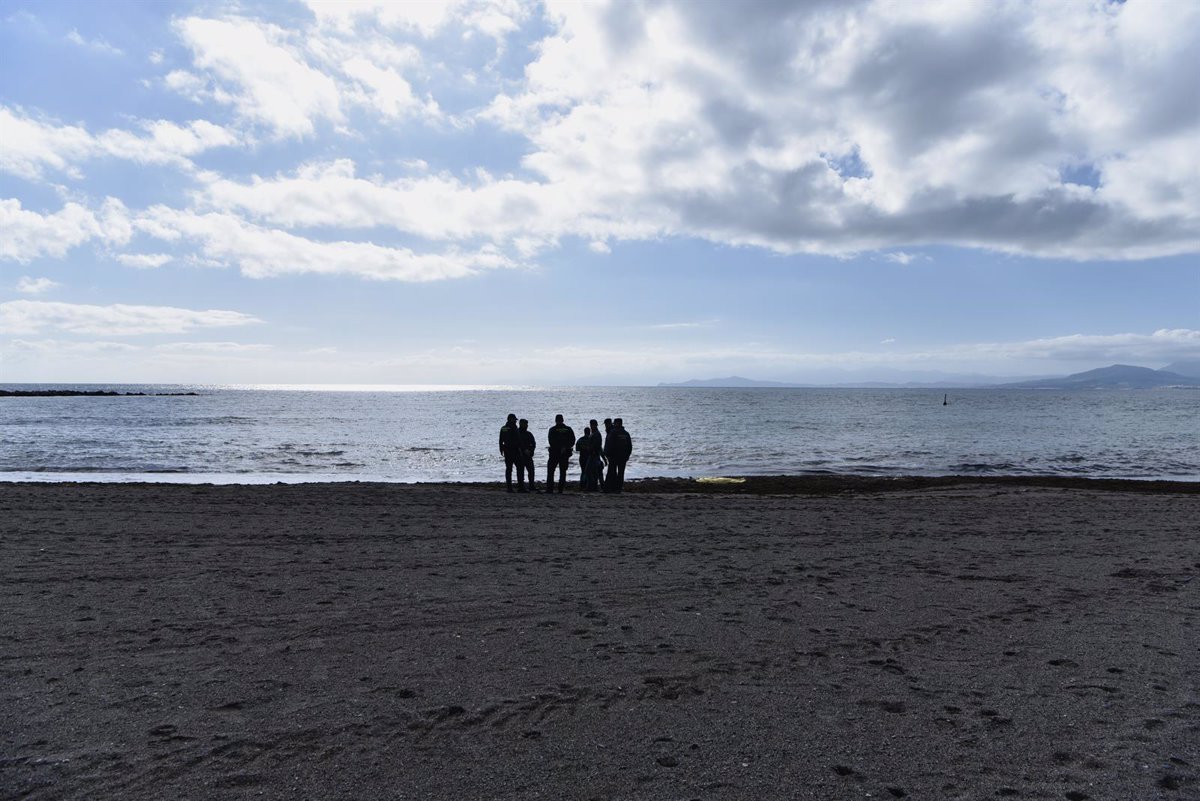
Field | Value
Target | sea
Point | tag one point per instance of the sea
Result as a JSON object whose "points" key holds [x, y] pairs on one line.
{"points": [[265, 434]]}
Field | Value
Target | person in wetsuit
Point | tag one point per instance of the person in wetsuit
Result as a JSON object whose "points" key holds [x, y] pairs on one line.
{"points": [[510, 448], [561, 439], [528, 444], [617, 447]]}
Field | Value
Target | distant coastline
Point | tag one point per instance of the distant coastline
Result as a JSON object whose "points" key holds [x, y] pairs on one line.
{"points": [[90, 393], [1118, 376]]}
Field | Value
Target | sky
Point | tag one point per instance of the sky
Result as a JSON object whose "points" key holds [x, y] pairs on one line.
{"points": [[499, 192]]}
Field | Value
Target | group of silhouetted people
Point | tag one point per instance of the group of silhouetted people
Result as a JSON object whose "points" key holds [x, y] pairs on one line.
{"points": [[602, 458]]}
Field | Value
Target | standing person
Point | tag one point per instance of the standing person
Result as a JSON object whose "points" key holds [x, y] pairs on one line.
{"points": [[594, 474], [618, 447], [528, 444], [510, 448], [561, 439], [583, 446], [606, 480]]}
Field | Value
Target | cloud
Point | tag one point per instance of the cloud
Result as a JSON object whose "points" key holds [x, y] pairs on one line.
{"points": [[269, 80], [52, 347], [143, 261], [35, 286], [228, 240], [27, 235], [99, 45], [31, 317], [838, 128], [33, 145], [211, 347], [495, 18], [676, 326]]}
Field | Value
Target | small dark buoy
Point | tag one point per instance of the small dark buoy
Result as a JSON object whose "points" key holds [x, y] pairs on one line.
{"points": [[946, 400]]}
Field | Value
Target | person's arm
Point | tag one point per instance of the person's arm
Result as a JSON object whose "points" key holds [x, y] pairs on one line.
{"points": [[502, 440]]}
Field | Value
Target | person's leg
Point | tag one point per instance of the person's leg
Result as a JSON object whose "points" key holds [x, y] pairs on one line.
{"points": [[620, 482], [550, 474], [508, 468], [521, 475], [529, 467]]}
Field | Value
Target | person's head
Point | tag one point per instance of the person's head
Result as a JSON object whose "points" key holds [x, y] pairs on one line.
{"points": [[512, 418], [524, 424], [558, 418], [586, 431], [594, 425], [607, 423], [618, 423]]}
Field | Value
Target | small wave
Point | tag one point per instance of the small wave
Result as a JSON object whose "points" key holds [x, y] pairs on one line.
{"points": [[417, 449], [983, 467], [95, 469], [320, 453]]}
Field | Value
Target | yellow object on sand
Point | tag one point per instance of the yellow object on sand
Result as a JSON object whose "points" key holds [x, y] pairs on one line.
{"points": [[720, 480]]}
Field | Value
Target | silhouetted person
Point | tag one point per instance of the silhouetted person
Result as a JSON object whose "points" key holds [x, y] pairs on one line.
{"points": [[618, 447], [589, 461], [605, 481], [593, 473], [528, 444], [510, 448], [561, 439]]}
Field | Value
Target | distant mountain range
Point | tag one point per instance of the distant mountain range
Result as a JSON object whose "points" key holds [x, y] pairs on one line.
{"points": [[1118, 376], [732, 382], [1185, 373]]}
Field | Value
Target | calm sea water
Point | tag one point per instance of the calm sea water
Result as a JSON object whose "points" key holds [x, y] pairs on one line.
{"points": [[249, 435]]}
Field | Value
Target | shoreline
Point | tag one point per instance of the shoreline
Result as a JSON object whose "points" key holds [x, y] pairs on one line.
{"points": [[715, 485]]}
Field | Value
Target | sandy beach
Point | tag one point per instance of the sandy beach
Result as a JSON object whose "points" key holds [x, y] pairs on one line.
{"points": [[953, 641]]}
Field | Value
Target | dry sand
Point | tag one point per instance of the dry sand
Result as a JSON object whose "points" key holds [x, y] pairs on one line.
{"points": [[378, 642]]}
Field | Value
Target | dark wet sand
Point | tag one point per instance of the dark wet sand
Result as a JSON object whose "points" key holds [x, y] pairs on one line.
{"points": [[940, 641]]}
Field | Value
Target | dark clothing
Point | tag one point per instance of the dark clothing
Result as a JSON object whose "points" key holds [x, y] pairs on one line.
{"points": [[508, 439], [528, 446], [618, 447], [560, 461], [561, 439], [619, 444], [589, 457], [510, 450]]}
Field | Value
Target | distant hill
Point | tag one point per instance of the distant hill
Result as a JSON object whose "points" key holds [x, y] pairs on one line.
{"points": [[735, 381], [1117, 376], [1188, 367]]}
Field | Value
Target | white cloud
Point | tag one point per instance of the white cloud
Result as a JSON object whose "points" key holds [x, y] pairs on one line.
{"points": [[31, 317], [26, 235], [33, 145], [837, 128], [143, 261], [496, 18], [270, 80], [99, 45], [52, 347], [900, 257], [35, 286], [673, 326], [225, 239], [211, 347]]}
